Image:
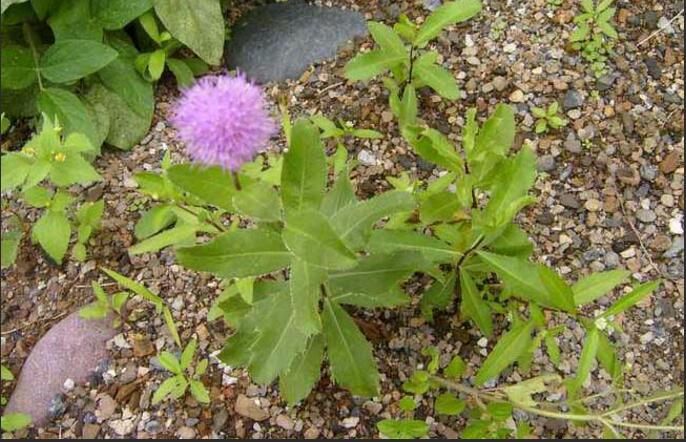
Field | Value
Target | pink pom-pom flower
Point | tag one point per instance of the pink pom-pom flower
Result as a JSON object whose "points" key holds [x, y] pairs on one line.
{"points": [[223, 121]]}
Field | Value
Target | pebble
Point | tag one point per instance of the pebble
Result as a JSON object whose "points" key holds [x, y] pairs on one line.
{"points": [[517, 96], [248, 407], [546, 163], [648, 172], [152, 426], [572, 143], [186, 433], [284, 422], [500, 83], [645, 215], [90, 431], [68, 384], [367, 158], [611, 260], [311, 433], [593, 205], [569, 200], [653, 67], [350, 422], [676, 225], [219, 419], [572, 100], [676, 248]]}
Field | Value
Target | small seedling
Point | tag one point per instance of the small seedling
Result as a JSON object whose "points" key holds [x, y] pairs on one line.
{"points": [[594, 34], [185, 377], [548, 118]]}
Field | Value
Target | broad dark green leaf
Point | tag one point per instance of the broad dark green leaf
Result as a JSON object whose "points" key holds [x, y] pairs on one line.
{"points": [[595, 285], [392, 298], [309, 236], [18, 69], [211, 184], [237, 254], [375, 274], [259, 201], [350, 355], [473, 306], [389, 241], [508, 349], [445, 15], [341, 195], [198, 25], [115, 14], [438, 296], [74, 20], [303, 177], [73, 116], [305, 291], [354, 222], [69, 60], [296, 384]]}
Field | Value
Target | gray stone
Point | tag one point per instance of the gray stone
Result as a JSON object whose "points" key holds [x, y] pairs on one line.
{"points": [[546, 163], [653, 67], [572, 143], [570, 201], [280, 41], [605, 82], [645, 215], [676, 248], [611, 260], [572, 100], [71, 349], [648, 172]]}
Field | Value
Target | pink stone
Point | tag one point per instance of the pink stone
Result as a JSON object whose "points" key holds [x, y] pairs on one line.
{"points": [[71, 349]]}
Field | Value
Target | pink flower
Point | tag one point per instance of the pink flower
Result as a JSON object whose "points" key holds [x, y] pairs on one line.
{"points": [[223, 121]]}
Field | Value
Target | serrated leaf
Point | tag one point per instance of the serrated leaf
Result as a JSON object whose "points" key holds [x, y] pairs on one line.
{"points": [[592, 287], [387, 39], [303, 177], [354, 222], [438, 296], [392, 298], [135, 287], [169, 362], [370, 64], [199, 392], [634, 297], [237, 254], [258, 200], [296, 384], [455, 369], [473, 306], [167, 388], [309, 236], [440, 206], [9, 245], [72, 114], [375, 274], [14, 168], [522, 392], [350, 355], [588, 355], [390, 241], [439, 79], [213, 185], [69, 60], [508, 349], [436, 148], [513, 241], [445, 15], [341, 195], [449, 404], [187, 354], [305, 292], [53, 231]]}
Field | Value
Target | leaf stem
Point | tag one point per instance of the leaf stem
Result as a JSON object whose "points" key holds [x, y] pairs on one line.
{"points": [[195, 214]]}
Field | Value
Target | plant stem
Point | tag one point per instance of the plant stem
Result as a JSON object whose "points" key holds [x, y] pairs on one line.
{"points": [[26, 28], [236, 180], [195, 214]]}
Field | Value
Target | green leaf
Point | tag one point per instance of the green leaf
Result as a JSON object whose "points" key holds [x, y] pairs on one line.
{"points": [[392, 298], [438, 296], [6, 4], [187, 354], [350, 355], [553, 349], [588, 355], [408, 107], [63, 105], [246, 288], [74, 20], [508, 349], [455, 369], [115, 14], [18, 69], [14, 421], [445, 15], [309, 236], [303, 177], [498, 132], [69, 60], [6, 374], [341, 195], [367, 134], [53, 231], [449, 404], [440, 206], [370, 64], [178, 235], [389, 241], [387, 39], [156, 64], [529, 282], [305, 292], [296, 383], [169, 362], [608, 29], [407, 403], [182, 73], [198, 25], [95, 310], [14, 167], [354, 222], [592, 287], [513, 241], [473, 306], [9, 247], [201, 368], [436, 148], [171, 325], [153, 221], [37, 196], [167, 388], [237, 254], [199, 392], [375, 274], [135, 287], [403, 429], [213, 185], [258, 200], [439, 79], [73, 169], [607, 356], [634, 297], [522, 392]]}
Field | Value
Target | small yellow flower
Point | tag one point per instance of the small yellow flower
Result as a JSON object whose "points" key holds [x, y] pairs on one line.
{"points": [[30, 151], [60, 156]]}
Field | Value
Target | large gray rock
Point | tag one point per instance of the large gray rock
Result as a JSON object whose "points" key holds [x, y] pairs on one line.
{"points": [[71, 349], [279, 41]]}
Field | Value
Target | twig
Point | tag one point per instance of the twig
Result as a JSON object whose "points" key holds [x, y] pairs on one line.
{"points": [[661, 29], [329, 87]]}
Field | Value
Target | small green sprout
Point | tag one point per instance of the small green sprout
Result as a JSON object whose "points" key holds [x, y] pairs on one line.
{"points": [[548, 118], [184, 378]]}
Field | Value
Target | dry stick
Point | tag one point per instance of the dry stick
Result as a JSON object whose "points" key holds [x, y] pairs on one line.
{"points": [[638, 235], [661, 29], [329, 87]]}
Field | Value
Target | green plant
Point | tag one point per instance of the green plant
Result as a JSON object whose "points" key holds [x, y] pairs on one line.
{"points": [[548, 118], [594, 34], [11, 421], [75, 60], [555, 3], [62, 162], [10, 241], [184, 377], [490, 410], [402, 51]]}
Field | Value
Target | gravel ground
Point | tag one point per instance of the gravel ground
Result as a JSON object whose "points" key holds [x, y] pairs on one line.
{"points": [[610, 195]]}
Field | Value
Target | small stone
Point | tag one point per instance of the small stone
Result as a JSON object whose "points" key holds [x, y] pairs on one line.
{"points": [[105, 407], [517, 96], [483, 342], [186, 433], [570, 201], [645, 215], [587, 132], [386, 116], [671, 162], [366, 158], [611, 260], [510, 48], [546, 163], [219, 419], [311, 433], [593, 205], [152, 426], [665, 24], [68, 385], [142, 346], [653, 67], [572, 100], [676, 225], [350, 422], [473, 61], [647, 337], [247, 407], [661, 243], [500, 83], [572, 143], [122, 427], [648, 172], [629, 176], [667, 200], [90, 431], [284, 422], [676, 248], [372, 407], [605, 82]]}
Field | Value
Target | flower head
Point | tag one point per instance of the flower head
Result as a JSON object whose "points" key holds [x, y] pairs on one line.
{"points": [[223, 121]]}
